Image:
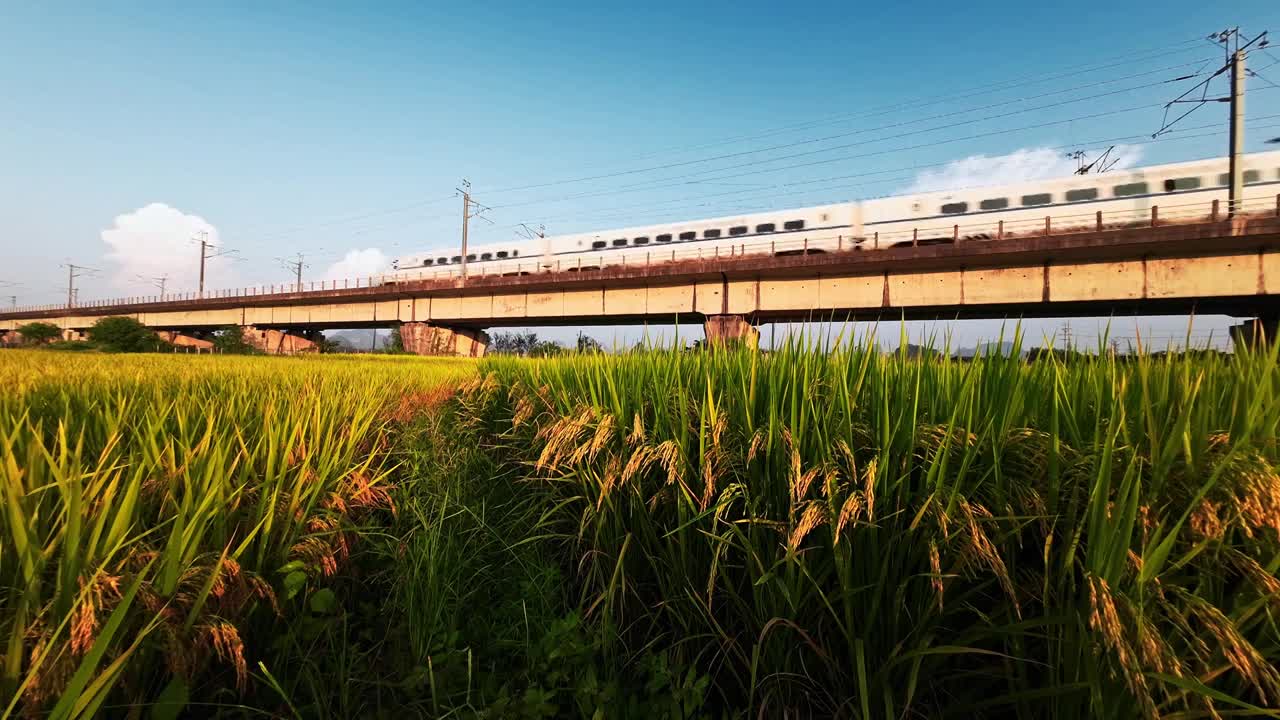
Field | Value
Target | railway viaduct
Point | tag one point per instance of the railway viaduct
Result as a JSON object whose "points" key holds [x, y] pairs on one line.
{"points": [[1207, 265]]}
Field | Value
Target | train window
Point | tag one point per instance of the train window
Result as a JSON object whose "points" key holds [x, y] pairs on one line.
{"points": [[710, 233], [1037, 199], [1182, 183], [665, 237], [955, 208], [442, 261], [688, 235], [1082, 194], [738, 230], [598, 244], [515, 253], [502, 254], [1250, 177], [620, 242], [642, 240], [1138, 188], [456, 258], [486, 256], [994, 204], [793, 225], [471, 257], [764, 227], [426, 263]]}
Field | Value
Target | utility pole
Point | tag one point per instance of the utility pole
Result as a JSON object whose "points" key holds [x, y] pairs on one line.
{"points": [[205, 246], [466, 218], [204, 249], [157, 282], [470, 209], [1235, 192], [296, 266], [1234, 64], [73, 272]]}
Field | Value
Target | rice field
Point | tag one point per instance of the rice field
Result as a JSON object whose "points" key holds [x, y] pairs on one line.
{"points": [[674, 534], [158, 509]]}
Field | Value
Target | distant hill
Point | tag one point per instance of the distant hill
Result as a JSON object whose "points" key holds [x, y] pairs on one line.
{"points": [[357, 340], [1002, 348]]}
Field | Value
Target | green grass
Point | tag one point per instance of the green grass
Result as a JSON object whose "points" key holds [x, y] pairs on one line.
{"points": [[870, 535], [159, 510], [658, 534]]}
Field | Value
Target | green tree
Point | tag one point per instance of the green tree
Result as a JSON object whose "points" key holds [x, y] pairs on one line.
{"points": [[230, 340], [40, 332], [123, 334], [545, 348], [509, 343], [588, 344], [395, 343]]}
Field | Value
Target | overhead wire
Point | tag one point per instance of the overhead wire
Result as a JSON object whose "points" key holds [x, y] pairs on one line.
{"points": [[860, 131], [1000, 86], [771, 191]]}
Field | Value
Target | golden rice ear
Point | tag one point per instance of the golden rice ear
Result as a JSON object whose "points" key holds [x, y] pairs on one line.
{"points": [[637, 430], [813, 516], [226, 642], [757, 442], [935, 573]]}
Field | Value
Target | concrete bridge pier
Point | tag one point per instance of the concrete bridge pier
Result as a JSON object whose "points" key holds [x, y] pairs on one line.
{"points": [[10, 338], [422, 338], [184, 340], [1257, 332], [727, 330], [278, 342]]}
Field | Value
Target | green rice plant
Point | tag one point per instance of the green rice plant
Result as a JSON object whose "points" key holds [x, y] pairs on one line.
{"points": [[160, 509], [869, 534]]}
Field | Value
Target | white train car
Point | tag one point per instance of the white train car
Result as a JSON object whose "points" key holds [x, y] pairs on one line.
{"points": [[782, 231], [431, 262], [1178, 189]]}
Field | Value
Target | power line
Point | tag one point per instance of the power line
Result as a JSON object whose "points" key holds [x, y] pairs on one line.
{"points": [[1123, 59], [661, 181], [770, 191], [904, 123], [1000, 86]]}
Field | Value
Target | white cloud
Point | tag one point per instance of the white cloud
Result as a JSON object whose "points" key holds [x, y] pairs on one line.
{"points": [[358, 263], [156, 240], [1019, 166]]}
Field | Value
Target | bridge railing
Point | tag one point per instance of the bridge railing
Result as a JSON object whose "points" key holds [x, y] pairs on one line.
{"points": [[877, 237]]}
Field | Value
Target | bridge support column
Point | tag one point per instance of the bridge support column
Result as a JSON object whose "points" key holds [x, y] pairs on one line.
{"points": [[178, 339], [277, 342], [422, 338], [1255, 333], [726, 330], [10, 337]]}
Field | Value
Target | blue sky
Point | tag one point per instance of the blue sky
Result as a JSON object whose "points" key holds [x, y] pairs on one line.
{"points": [[326, 129]]}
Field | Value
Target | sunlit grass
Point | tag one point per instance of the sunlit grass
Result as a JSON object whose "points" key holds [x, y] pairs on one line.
{"points": [[874, 535], [156, 506]]}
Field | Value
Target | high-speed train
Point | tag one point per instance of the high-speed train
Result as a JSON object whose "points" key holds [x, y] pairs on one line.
{"points": [[1000, 211]]}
